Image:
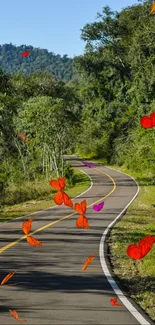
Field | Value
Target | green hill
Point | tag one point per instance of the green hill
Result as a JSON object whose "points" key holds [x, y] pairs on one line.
{"points": [[13, 62]]}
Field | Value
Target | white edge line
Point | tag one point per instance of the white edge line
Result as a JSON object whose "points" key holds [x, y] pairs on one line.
{"points": [[27, 215], [106, 271]]}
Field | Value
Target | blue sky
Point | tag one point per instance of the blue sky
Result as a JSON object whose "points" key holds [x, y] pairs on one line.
{"points": [[51, 24]]}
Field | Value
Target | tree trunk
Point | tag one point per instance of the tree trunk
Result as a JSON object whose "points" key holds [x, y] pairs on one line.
{"points": [[22, 159]]}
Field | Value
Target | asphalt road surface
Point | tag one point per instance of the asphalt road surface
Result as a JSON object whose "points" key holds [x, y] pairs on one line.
{"points": [[51, 287]]}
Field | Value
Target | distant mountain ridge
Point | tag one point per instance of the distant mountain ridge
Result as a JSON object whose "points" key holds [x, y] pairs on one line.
{"points": [[12, 61]]}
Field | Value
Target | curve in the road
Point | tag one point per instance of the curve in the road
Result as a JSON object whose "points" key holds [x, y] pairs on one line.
{"points": [[6, 247], [135, 313], [106, 271]]}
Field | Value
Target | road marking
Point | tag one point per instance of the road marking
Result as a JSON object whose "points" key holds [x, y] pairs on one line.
{"points": [[63, 218], [91, 269], [27, 215], [136, 314], [106, 271]]}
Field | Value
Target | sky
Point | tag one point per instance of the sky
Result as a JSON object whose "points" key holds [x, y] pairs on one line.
{"points": [[51, 24]]}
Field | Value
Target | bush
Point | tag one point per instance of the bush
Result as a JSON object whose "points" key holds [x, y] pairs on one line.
{"points": [[3, 182], [27, 191], [69, 173]]}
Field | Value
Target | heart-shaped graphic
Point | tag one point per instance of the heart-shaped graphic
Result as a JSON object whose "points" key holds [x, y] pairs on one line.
{"points": [[98, 207], [148, 240], [141, 249], [82, 222], [88, 164], [152, 117], [148, 121], [91, 165], [25, 54], [145, 121]]}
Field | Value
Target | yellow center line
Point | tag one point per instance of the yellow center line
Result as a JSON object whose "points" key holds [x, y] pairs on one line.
{"points": [[63, 218], [91, 269]]}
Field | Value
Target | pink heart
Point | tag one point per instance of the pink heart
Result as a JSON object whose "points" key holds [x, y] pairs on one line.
{"points": [[99, 206], [88, 164], [91, 165], [142, 248]]}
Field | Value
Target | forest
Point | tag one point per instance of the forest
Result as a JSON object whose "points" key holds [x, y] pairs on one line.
{"points": [[90, 106], [96, 114], [13, 63]]}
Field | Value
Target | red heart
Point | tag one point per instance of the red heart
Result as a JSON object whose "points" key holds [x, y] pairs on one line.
{"points": [[134, 251], [139, 251], [25, 53], [147, 239], [152, 117], [146, 122]]}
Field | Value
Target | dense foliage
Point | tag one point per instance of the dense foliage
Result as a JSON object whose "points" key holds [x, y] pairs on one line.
{"points": [[118, 87], [96, 114], [12, 61], [44, 111]]}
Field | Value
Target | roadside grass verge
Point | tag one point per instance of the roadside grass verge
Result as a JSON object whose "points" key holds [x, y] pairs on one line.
{"points": [[45, 197], [137, 278]]}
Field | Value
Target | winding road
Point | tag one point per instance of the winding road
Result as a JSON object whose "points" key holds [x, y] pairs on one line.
{"points": [[52, 288]]}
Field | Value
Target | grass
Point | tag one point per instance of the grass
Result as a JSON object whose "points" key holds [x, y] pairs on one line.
{"points": [[44, 201], [137, 278], [138, 222]]}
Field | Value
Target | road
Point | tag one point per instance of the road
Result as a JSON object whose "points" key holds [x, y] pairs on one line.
{"points": [[52, 288]]}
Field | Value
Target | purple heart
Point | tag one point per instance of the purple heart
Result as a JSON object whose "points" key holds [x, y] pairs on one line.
{"points": [[88, 164], [91, 165], [84, 163], [98, 207]]}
